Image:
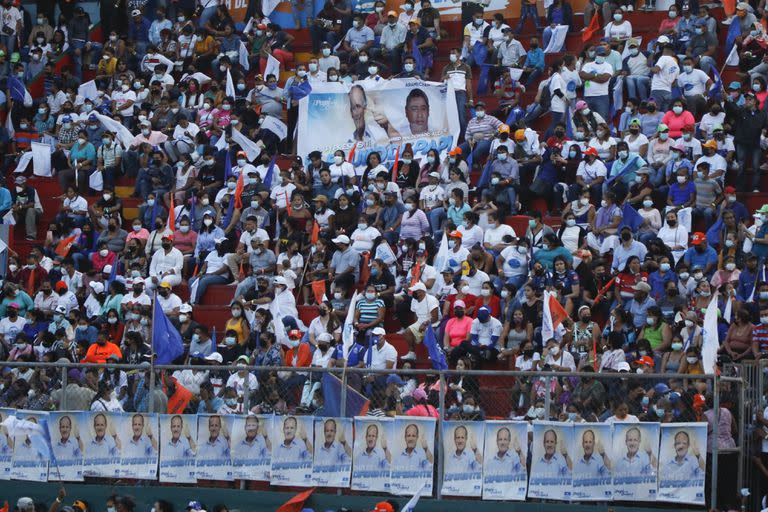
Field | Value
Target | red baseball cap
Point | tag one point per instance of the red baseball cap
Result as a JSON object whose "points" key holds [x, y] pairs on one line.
{"points": [[698, 237], [646, 360], [383, 506], [590, 151]]}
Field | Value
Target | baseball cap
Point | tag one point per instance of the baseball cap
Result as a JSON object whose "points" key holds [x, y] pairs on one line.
{"points": [[679, 147], [455, 151], [215, 356], [710, 144], [97, 287], [662, 40], [185, 308], [392, 13], [61, 285], [622, 367], [294, 334], [378, 331], [661, 389], [503, 128], [642, 286], [581, 105], [590, 151], [729, 190], [418, 287], [60, 309], [165, 284], [519, 134], [455, 234], [601, 51], [646, 360], [698, 237], [194, 505], [136, 12], [395, 379], [383, 506], [341, 239], [459, 304], [434, 175]]}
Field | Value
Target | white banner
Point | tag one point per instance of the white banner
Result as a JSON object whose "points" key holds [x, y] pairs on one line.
{"points": [[683, 462], [635, 455], [591, 450], [88, 90], [506, 452], [272, 68], [292, 451], [213, 461], [413, 455], [463, 458], [6, 446], [138, 434], [372, 458], [551, 462], [67, 461], [557, 39], [41, 159], [251, 447], [30, 451], [333, 452], [102, 445], [178, 446], [378, 116]]}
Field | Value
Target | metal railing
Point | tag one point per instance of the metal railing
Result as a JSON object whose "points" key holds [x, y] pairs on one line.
{"points": [[746, 391]]}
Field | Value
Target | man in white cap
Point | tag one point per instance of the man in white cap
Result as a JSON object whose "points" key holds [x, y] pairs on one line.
{"points": [[25, 505], [380, 356], [640, 303], [345, 264], [94, 300], [137, 296], [427, 310], [149, 136]]}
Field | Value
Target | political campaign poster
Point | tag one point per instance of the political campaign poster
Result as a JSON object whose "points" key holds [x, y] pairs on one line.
{"points": [[251, 447], [292, 451], [591, 452], [378, 115], [178, 448], [372, 457], [413, 455], [505, 451], [6, 445], [67, 445], [214, 460], [635, 456], [682, 462], [138, 434], [30, 448], [551, 461], [101, 443], [463, 458], [332, 465]]}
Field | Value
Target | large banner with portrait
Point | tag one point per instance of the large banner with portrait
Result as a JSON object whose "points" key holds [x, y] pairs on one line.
{"points": [[551, 461], [635, 455], [67, 445], [6, 445], [591, 452], [102, 447], [292, 438], [214, 460], [378, 115], [333, 452], [683, 462], [30, 448], [251, 447], [463, 458], [178, 448], [413, 455], [505, 458], [372, 458], [138, 434]]}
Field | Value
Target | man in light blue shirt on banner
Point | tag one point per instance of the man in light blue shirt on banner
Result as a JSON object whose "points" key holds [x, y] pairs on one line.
{"points": [[414, 458], [505, 461], [590, 466], [373, 458], [217, 446], [684, 466], [551, 464], [635, 462]]}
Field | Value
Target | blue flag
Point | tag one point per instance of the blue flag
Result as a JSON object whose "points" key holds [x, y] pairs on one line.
{"points": [[417, 56], [214, 345], [18, 91], [479, 54], [227, 165], [166, 340], [631, 166], [469, 161], [369, 352], [192, 210], [630, 217], [485, 178], [270, 171], [569, 123], [734, 31], [716, 90], [356, 404], [113, 273], [434, 349], [230, 211], [713, 233], [298, 91]]}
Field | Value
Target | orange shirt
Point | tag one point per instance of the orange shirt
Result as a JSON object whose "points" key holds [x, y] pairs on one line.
{"points": [[303, 356], [98, 354]]}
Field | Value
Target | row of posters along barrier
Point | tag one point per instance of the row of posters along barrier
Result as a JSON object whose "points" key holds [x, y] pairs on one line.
{"points": [[488, 460]]}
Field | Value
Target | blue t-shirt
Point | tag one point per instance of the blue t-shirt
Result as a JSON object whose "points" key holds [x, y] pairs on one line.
{"points": [[681, 194]]}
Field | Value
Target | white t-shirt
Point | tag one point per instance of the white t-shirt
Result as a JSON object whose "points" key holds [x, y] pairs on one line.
{"points": [[423, 309], [471, 236], [557, 103], [668, 73], [693, 83], [495, 236], [121, 98], [432, 196], [362, 239], [380, 357], [515, 263], [592, 88], [618, 31], [485, 331]]}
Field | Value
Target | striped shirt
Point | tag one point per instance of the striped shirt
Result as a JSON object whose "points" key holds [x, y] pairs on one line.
{"points": [[482, 129], [706, 192], [369, 310], [760, 335]]}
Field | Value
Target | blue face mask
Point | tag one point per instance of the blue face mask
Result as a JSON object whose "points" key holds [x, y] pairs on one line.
{"points": [[374, 272]]}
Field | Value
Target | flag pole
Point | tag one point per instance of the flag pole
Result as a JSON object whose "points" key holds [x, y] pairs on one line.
{"points": [[152, 358]]}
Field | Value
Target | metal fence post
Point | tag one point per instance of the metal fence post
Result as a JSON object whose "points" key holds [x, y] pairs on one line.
{"points": [[743, 415], [547, 399], [438, 452], [343, 404], [151, 400], [247, 392], [715, 433], [64, 376]]}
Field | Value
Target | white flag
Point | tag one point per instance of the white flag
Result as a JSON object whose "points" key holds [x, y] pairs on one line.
{"points": [[618, 94], [88, 90], [9, 123], [9, 219], [728, 313], [201, 78], [242, 56], [252, 149], [515, 73], [276, 126], [733, 57], [348, 334], [711, 341], [41, 157], [96, 180], [267, 6], [272, 68], [411, 505], [277, 318], [230, 87], [23, 162], [442, 254], [124, 135], [249, 26], [547, 329], [557, 40]]}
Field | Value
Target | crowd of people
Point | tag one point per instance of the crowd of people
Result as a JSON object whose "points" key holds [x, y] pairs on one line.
{"points": [[645, 221]]}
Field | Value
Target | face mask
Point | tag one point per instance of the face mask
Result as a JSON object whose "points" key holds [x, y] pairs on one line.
{"points": [[570, 222], [730, 267], [453, 57], [112, 320], [691, 360], [451, 244], [604, 203], [125, 87], [623, 154], [698, 275], [363, 59], [485, 292], [647, 203], [207, 222], [660, 412], [480, 114], [338, 159], [663, 136], [495, 181], [677, 110], [554, 350], [688, 68], [599, 60], [406, 161], [103, 253], [756, 87], [634, 51], [672, 14], [650, 320], [681, 179], [408, 67], [370, 295], [617, 17], [57, 317], [764, 295]]}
